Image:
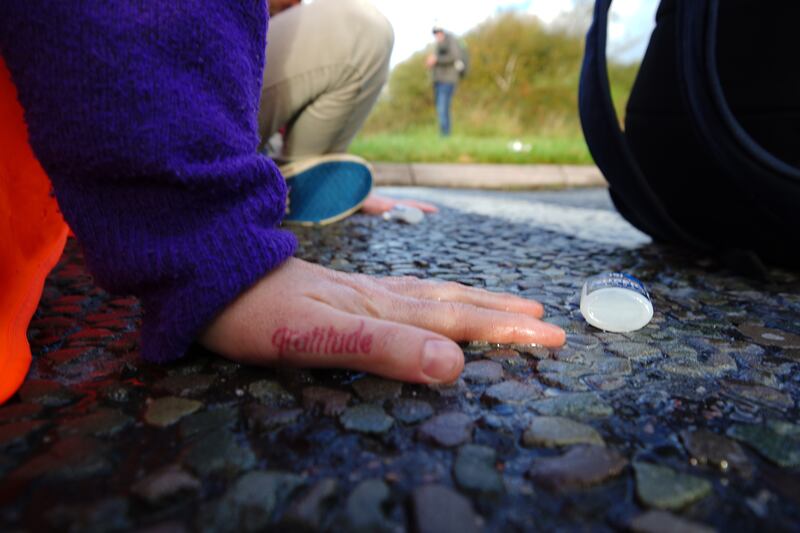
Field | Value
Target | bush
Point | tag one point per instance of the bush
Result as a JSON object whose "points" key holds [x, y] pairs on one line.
{"points": [[523, 80]]}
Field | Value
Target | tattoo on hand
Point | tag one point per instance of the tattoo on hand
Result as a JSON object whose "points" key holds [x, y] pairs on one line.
{"points": [[323, 341]]}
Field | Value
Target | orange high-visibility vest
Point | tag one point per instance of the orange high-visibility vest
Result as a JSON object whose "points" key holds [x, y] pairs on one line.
{"points": [[32, 237]]}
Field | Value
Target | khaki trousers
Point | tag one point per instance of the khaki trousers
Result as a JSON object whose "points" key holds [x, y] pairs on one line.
{"points": [[326, 64]]}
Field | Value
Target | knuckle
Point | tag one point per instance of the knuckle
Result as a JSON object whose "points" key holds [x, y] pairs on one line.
{"points": [[387, 341], [450, 289], [455, 318]]}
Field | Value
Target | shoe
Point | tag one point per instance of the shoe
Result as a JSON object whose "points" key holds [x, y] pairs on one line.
{"points": [[326, 189]]}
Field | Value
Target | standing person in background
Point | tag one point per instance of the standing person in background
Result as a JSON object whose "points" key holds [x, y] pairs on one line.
{"points": [[444, 66]]}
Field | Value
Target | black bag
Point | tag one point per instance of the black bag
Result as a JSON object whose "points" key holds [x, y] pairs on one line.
{"points": [[710, 153], [462, 63]]}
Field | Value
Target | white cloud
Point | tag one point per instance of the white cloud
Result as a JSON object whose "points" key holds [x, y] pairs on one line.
{"points": [[413, 20], [549, 10]]}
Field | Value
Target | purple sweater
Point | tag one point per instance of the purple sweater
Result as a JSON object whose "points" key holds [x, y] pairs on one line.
{"points": [[144, 115]]}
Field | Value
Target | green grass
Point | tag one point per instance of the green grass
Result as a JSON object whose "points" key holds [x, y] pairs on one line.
{"points": [[428, 147]]}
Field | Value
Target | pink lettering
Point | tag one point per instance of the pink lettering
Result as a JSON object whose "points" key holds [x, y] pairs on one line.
{"points": [[366, 344], [322, 341], [280, 339]]}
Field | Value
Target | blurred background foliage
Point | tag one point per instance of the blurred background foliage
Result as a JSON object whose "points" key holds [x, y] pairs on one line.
{"points": [[522, 86]]}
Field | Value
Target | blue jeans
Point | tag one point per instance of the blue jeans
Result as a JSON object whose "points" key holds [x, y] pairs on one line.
{"points": [[443, 95]]}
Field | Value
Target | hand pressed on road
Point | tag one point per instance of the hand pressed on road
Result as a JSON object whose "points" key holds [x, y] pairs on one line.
{"points": [[306, 315], [376, 205]]}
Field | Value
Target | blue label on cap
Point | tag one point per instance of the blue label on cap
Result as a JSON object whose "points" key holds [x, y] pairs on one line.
{"points": [[616, 280]]}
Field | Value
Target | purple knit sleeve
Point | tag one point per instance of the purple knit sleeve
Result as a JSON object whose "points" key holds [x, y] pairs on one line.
{"points": [[143, 114]]}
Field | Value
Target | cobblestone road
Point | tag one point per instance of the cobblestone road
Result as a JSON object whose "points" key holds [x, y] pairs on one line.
{"points": [[689, 424]]}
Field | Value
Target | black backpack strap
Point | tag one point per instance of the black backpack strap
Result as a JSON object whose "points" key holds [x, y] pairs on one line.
{"points": [[773, 181], [609, 147]]}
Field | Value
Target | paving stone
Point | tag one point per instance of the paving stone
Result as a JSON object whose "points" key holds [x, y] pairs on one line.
{"points": [[582, 342], [664, 488], [450, 390], [68, 355], [474, 469], [533, 350], [580, 467], [164, 412], [89, 336], [680, 351], [717, 365], [68, 459], [438, 509], [720, 364], [759, 377], [707, 447], [548, 366], [101, 423], [611, 366], [20, 411], [568, 354], [580, 406], [664, 522], [17, 433], [554, 431], [263, 418], [510, 359], [763, 395], [186, 385], [512, 392], [220, 417], [118, 393], [690, 368], [219, 452], [307, 512], [366, 418], [251, 503], [775, 440], [47, 393], [635, 351], [447, 429], [109, 514], [783, 428], [770, 337], [331, 402], [563, 382], [410, 411], [365, 508], [166, 485], [271, 393], [377, 390], [483, 372], [194, 364], [792, 354], [605, 383]]}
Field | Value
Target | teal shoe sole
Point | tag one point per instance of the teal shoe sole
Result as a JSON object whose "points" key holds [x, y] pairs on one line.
{"points": [[327, 192]]}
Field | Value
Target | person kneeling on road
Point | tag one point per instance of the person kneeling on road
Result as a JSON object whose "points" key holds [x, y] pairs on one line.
{"points": [[161, 180]]}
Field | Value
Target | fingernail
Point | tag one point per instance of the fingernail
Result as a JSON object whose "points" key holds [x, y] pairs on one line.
{"points": [[440, 360], [558, 334]]}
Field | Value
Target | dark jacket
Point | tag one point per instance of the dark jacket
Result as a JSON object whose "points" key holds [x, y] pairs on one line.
{"points": [[447, 53]]}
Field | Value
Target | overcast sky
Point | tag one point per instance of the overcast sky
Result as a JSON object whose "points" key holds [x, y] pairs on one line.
{"points": [[632, 20]]}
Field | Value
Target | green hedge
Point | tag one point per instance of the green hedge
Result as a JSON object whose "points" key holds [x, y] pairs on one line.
{"points": [[523, 81]]}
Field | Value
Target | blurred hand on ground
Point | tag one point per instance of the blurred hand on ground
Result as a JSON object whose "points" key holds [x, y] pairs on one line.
{"points": [[276, 6], [376, 205], [305, 315]]}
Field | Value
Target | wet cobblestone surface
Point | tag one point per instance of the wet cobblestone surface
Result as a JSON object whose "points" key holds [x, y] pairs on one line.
{"points": [[690, 423]]}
